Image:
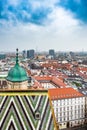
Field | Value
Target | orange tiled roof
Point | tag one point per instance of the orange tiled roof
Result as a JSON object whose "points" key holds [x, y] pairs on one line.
{"points": [[55, 64], [37, 85], [55, 80], [63, 93], [58, 82], [43, 77], [83, 69]]}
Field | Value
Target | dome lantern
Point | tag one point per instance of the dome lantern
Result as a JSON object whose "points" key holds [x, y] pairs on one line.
{"points": [[17, 56]]}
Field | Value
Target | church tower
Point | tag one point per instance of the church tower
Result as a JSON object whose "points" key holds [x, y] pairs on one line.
{"points": [[17, 77]]}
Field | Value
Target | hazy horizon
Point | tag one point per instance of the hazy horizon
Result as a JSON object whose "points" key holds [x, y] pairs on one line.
{"points": [[42, 25]]}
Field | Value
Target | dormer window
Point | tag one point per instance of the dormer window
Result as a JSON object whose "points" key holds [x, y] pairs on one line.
{"points": [[37, 115]]}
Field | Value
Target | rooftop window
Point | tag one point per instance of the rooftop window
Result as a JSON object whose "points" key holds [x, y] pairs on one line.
{"points": [[37, 115]]}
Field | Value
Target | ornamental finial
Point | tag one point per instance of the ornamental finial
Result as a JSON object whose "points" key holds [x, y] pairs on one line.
{"points": [[17, 56]]}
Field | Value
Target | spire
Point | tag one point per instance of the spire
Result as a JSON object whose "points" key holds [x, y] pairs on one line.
{"points": [[17, 56]]}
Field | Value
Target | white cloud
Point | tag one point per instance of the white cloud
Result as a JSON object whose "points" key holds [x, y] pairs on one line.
{"points": [[62, 19], [14, 2], [45, 4], [61, 32]]}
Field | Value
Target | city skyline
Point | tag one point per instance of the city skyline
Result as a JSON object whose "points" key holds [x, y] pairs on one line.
{"points": [[43, 25]]}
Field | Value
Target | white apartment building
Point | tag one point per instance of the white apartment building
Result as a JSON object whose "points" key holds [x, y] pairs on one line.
{"points": [[70, 107]]}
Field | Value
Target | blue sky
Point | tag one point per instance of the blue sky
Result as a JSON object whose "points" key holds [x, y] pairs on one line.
{"points": [[43, 24]]}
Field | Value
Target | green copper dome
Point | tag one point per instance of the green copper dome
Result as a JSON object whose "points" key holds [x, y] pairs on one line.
{"points": [[17, 73]]}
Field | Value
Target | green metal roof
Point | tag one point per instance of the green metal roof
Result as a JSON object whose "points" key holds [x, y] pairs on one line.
{"points": [[17, 73]]}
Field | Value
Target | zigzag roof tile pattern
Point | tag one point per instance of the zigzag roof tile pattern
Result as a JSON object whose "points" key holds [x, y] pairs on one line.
{"points": [[26, 110]]}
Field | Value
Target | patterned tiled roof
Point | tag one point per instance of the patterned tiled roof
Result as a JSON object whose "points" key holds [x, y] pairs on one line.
{"points": [[26, 110]]}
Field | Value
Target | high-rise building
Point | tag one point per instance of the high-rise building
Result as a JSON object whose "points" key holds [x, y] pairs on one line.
{"points": [[24, 53], [51, 52], [72, 54], [30, 54]]}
